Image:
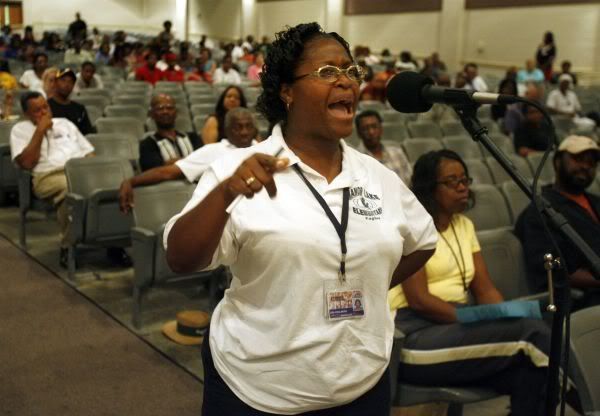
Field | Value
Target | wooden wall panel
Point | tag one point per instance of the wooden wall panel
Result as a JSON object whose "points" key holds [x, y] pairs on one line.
{"points": [[353, 7], [487, 4]]}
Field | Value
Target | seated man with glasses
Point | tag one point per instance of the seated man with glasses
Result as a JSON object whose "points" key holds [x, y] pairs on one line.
{"points": [[241, 131], [509, 356], [166, 145]]}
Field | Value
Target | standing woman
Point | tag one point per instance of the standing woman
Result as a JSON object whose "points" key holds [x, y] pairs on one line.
{"points": [[214, 126], [321, 226], [545, 55]]}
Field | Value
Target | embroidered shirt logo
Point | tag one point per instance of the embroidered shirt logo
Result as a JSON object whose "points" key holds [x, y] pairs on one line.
{"points": [[365, 203]]}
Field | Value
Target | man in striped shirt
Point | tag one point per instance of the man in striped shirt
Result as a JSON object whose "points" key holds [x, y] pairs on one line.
{"points": [[166, 145]]}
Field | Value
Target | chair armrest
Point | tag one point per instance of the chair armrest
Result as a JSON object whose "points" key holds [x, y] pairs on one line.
{"points": [[142, 254], [399, 337], [76, 205], [4, 149], [103, 195]]}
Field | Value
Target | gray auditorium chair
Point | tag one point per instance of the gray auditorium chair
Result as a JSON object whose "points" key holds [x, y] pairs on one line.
{"points": [[133, 99], [167, 86], [466, 147], [395, 131], [202, 99], [484, 112], [479, 172], [503, 142], [154, 206], [94, 92], [562, 123], [505, 261], [371, 105], [490, 210], [453, 128], [127, 110], [126, 125], [491, 125], [94, 113], [115, 145], [500, 174], [99, 101], [192, 86], [424, 129], [585, 372], [198, 122], [393, 116], [202, 109], [404, 394], [534, 160], [182, 124], [93, 204], [517, 200], [8, 175], [414, 148]]}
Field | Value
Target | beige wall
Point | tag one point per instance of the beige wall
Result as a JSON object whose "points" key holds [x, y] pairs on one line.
{"points": [[272, 17]]}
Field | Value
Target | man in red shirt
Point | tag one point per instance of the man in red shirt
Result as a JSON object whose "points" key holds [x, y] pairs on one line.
{"points": [[173, 72], [149, 72]]}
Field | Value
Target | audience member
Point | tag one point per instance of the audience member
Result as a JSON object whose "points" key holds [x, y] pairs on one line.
{"points": [[370, 131], [28, 37], [509, 356], [48, 88], [474, 81], [514, 115], [241, 131], [32, 78], [96, 37], [575, 169], [149, 72], [225, 74], [173, 72], [14, 49], [256, 68], [165, 38], [237, 52], [62, 106], [43, 144], [77, 55], [545, 55], [564, 101], [103, 54], [565, 68], [87, 78], [199, 73], [7, 80], [534, 133], [214, 126], [529, 74], [406, 62], [507, 86], [209, 64], [166, 145], [375, 89], [77, 29]]}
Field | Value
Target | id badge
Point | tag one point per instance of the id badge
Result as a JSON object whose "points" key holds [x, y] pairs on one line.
{"points": [[343, 300]]}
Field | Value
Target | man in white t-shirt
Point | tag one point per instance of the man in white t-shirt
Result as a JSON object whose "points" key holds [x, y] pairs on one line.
{"points": [[241, 130], [474, 80], [564, 101], [32, 78], [43, 145], [225, 74]]}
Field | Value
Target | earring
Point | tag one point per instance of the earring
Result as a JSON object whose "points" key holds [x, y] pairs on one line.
{"points": [[287, 105]]}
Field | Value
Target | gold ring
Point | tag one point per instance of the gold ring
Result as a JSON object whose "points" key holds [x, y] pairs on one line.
{"points": [[250, 180]]}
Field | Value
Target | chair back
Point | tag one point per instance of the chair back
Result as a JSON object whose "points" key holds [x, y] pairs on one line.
{"points": [[86, 175], [156, 204], [490, 210]]}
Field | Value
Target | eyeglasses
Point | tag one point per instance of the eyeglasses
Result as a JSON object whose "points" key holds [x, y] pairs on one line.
{"points": [[331, 73], [454, 182]]}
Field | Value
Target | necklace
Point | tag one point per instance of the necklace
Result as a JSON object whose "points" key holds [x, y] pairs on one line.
{"points": [[463, 269]]}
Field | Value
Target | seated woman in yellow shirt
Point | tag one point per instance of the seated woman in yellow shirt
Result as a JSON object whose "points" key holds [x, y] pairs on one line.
{"points": [[507, 355]]}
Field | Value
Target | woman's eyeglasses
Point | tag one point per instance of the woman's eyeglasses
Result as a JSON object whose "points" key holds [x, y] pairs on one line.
{"points": [[455, 182], [331, 73]]}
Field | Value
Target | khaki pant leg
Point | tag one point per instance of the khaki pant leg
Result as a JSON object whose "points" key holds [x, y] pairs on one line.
{"points": [[52, 186]]}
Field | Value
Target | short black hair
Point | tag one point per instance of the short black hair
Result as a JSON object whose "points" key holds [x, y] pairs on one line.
{"points": [[29, 95], [425, 178], [281, 62], [366, 113], [88, 63]]}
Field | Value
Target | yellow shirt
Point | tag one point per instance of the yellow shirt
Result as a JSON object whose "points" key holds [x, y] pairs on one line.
{"points": [[444, 278]]}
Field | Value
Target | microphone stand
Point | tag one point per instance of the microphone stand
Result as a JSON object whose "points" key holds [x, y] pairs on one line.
{"points": [[468, 116]]}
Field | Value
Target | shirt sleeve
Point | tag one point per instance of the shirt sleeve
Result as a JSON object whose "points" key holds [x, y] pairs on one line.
{"points": [[227, 250], [551, 101], [19, 139], [419, 232], [84, 145], [150, 156], [470, 234], [86, 125]]}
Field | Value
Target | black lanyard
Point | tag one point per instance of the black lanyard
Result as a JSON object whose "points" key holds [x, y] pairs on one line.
{"points": [[339, 228]]}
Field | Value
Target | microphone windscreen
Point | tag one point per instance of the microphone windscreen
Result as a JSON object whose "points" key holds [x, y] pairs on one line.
{"points": [[404, 92]]}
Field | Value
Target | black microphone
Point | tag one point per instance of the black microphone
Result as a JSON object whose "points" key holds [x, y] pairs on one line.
{"points": [[410, 92]]}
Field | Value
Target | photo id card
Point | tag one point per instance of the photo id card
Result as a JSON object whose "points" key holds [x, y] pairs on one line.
{"points": [[344, 301]]}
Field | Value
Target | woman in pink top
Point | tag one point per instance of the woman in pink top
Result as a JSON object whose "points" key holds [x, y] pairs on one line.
{"points": [[255, 69]]}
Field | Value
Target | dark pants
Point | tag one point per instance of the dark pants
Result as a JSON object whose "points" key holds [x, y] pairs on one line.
{"points": [[505, 371], [219, 400]]}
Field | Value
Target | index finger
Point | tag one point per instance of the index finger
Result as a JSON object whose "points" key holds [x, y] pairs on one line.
{"points": [[271, 163]]}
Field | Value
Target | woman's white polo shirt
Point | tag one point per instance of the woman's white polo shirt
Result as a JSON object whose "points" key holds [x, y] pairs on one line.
{"points": [[269, 338]]}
